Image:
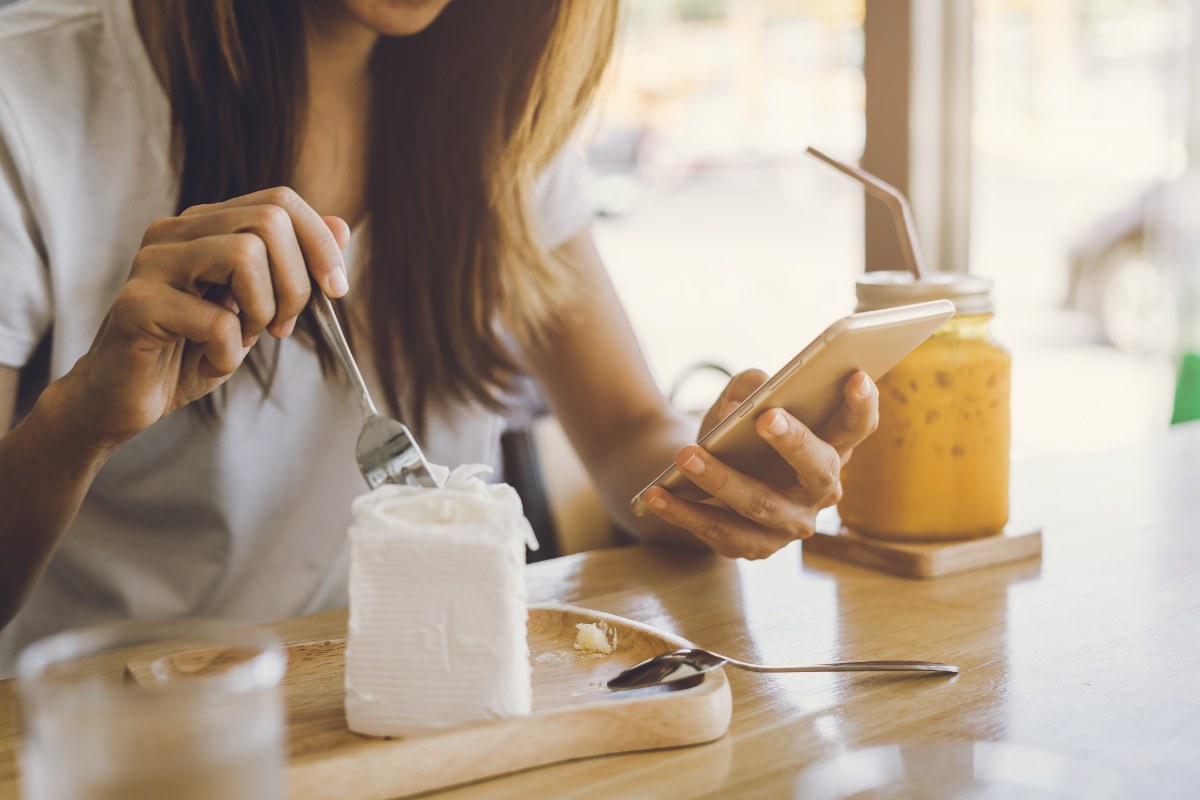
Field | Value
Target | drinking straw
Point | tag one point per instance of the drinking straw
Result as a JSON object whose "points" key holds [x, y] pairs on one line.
{"points": [[896, 202]]}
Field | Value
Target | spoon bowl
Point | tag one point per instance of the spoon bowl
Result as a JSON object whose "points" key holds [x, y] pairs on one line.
{"points": [[679, 665]]}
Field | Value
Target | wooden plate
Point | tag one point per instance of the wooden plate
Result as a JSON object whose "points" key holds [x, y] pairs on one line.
{"points": [[573, 717]]}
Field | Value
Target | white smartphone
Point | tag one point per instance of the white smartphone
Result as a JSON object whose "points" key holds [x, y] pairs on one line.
{"points": [[810, 389]]}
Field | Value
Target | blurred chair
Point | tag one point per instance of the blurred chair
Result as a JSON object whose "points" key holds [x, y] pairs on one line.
{"points": [[560, 501]]}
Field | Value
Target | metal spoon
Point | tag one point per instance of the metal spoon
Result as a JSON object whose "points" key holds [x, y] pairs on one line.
{"points": [[386, 451], [679, 665]]}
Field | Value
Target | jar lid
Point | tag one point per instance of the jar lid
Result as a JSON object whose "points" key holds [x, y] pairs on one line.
{"points": [[970, 294]]}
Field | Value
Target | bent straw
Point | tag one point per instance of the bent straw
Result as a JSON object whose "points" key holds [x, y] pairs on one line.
{"points": [[896, 202]]}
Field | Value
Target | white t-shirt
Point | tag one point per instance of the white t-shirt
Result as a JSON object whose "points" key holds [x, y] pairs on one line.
{"points": [[246, 519]]}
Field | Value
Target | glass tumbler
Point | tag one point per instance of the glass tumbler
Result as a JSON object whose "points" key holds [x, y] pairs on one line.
{"points": [[186, 710]]}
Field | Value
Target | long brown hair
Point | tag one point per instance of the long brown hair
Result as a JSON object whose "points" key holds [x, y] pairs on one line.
{"points": [[464, 115]]}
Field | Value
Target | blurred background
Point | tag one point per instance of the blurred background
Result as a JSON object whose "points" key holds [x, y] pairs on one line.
{"points": [[1052, 145], [1044, 143]]}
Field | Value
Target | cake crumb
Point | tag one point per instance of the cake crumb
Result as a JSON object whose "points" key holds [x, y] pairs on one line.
{"points": [[595, 637]]}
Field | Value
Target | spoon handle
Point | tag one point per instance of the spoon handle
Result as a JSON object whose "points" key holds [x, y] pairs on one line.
{"points": [[854, 666]]}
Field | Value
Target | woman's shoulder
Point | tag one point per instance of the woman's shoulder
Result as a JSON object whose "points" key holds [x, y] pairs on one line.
{"points": [[71, 85], [53, 54], [29, 26], [47, 50]]}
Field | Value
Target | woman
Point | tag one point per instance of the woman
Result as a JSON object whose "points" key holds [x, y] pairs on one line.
{"points": [[431, 190]]}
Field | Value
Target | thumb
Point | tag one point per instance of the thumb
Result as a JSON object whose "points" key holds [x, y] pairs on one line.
{"points": [[339, 229]]}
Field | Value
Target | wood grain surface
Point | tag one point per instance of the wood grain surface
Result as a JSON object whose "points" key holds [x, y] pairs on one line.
{"points": [[574, 715], [1081, 660]]}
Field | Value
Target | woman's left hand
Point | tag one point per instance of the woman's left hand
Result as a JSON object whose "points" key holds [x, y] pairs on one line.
{"points": [[752, 519]]}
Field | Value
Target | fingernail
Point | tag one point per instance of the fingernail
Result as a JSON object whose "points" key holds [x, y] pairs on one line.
{"points": [[867, 389], [657, 503], [693, 465], [778, 424], [338, 285]]}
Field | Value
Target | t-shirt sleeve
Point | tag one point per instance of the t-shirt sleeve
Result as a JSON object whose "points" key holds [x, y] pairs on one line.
{"points": [[562, 204], [25, 306]]}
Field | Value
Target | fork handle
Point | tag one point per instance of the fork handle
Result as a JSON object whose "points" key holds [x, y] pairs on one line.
{"points": [[327, 321], [855, 666]]}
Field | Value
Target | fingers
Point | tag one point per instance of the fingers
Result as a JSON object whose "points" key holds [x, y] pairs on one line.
{"points": [[740, 387], [161, 315], [340, 230], [255, 247], [244, 263], [816, 463], [288, 275], [723, 530], [858, 417], [298, 244], [765, 505], [321, 250]]}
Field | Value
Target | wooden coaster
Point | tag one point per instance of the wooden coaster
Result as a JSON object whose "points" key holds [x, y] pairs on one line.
{"points": [[923, 559]]}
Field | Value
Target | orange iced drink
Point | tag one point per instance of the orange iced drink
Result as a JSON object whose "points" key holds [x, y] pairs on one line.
{"points": [[937, 467]]}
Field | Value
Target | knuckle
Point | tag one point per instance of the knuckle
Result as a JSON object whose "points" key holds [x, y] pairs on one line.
{"points": [[712, 529], [826, 478], [801, 526], [802, 437], [760, 551], [270, 217], [135, 296], [718, 479], [247, 250], [762, 507], [146, 259], [281, 195], [833, 469], [292, 295], [197, 209], [258, 313], [835, 496], [222, 324], [159, 229]]}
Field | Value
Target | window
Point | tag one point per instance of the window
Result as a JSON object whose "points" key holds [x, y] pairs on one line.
{"points": [[726, 242], [1078, 123]]}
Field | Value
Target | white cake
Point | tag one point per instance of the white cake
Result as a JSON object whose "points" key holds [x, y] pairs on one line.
{"points": [[437, 607]]}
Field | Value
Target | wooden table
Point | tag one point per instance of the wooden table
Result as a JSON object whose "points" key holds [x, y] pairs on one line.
{"points": [[1080, 665]]}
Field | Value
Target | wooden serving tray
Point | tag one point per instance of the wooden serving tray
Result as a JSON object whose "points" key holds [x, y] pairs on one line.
{"points": [[574, 715]]}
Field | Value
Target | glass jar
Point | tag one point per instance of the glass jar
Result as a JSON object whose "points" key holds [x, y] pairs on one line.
{"points": [[203, 719], [937, 468]]}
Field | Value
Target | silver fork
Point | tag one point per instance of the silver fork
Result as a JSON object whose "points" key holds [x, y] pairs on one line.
{"points": [[386, 451]]}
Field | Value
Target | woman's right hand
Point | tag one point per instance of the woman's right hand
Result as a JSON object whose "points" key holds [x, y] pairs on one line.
{"points": [[203, 287]]}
